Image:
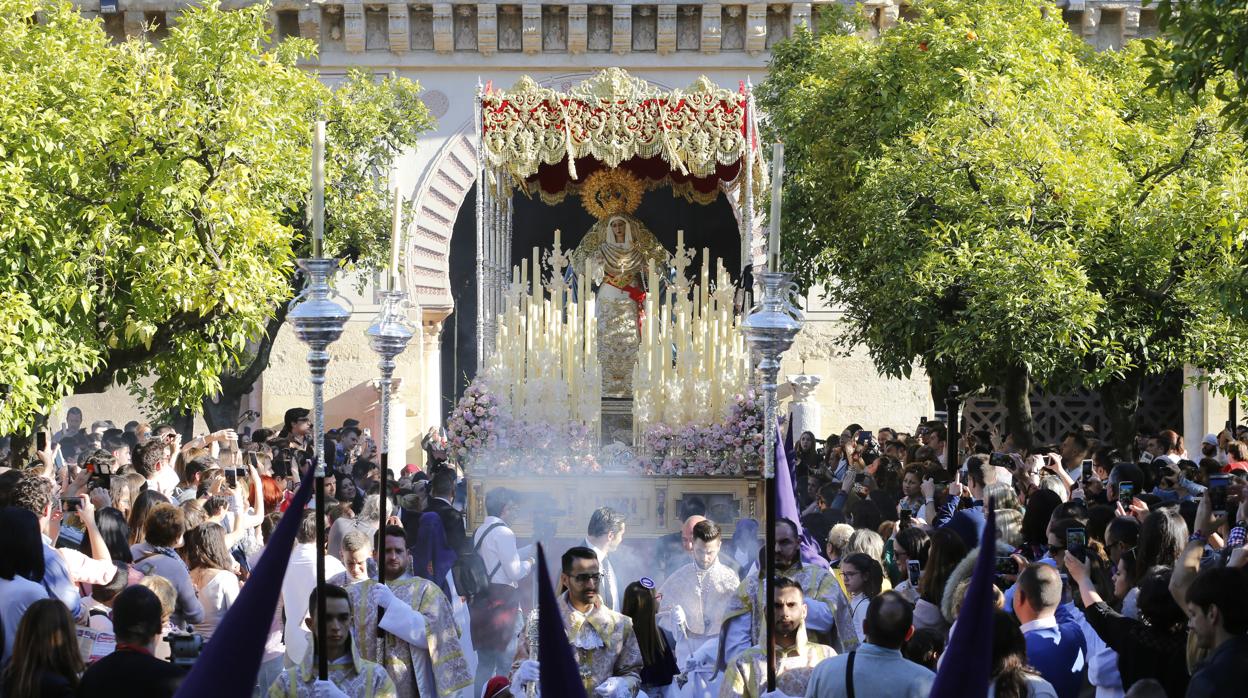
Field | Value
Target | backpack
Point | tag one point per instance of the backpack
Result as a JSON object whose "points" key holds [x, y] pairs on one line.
{"points": [[471, 577]]}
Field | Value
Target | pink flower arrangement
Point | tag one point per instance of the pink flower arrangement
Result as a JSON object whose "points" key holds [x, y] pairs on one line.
{"points": [[730, 448]]}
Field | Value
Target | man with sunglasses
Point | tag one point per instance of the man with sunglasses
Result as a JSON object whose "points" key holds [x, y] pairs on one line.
{"points": [[603, 641]]}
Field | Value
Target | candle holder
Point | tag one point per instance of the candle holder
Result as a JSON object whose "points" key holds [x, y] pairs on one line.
{"points": [[770, 330], [388, 336], [319, 315]]}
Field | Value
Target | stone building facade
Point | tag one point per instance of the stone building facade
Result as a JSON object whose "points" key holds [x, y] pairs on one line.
{"points": [[450, 48]]}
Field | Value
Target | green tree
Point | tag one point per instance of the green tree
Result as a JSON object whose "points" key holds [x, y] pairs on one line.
{"points": [[153, 196], [990, 199], [1205, 46]]}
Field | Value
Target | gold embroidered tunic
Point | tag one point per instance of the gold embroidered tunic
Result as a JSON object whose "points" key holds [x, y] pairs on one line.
{"points": [[818, 584], [602, 641], [703, 594], [440, 670], [746, 675], [354, 676]]}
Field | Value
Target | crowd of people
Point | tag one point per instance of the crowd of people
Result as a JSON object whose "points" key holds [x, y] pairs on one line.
{"points": [[1118, 573]]}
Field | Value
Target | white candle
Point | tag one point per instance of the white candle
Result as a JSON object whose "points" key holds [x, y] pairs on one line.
{"points": [[396, 235], [318, 187], [777, 182]]}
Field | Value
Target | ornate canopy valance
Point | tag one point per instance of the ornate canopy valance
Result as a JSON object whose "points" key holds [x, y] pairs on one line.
{"points": [[700, 133]]}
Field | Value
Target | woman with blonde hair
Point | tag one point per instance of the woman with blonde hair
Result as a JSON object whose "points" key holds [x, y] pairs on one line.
{"points": [[46, 661]]}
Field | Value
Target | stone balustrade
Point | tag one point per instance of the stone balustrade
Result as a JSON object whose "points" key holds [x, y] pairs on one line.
{"points": [[620, 28]]}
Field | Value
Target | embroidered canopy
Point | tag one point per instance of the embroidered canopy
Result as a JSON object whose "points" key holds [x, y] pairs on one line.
{"points": [[692, 139]]}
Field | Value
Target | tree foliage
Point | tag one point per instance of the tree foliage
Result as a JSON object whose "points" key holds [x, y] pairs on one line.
{"points": [[153, 196], [1205, 47], [987, 196]]}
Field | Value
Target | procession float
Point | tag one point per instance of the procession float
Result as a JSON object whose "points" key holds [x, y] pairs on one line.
{"points": [[613, 372]]}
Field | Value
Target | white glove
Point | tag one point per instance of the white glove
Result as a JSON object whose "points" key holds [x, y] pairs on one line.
{"points": [[380, 595], [679, 617], [529, 671], [327, 689], [614, 687]]}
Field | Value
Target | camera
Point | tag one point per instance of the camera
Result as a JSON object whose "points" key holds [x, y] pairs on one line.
{"points": [[1077, 543], [1001, 460], [184, 648], [1006, 565], [69, 504], [913, 570], [1217, 492]]}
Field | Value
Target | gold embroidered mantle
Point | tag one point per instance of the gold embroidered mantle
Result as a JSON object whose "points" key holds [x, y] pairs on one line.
{"points": [[746, 674], [355, 677], [450, 669], [817, 583], [619, 655]]}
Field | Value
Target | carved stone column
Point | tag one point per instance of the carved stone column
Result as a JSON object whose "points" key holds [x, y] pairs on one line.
{"points": [[799, 15], [577, 33], [531, 28], [712, 15], [1130, 22], [398, 28], [1091, 21], [487, 29], [805, 412], [622, 29], [443, 29], [665, 37], [431, 373], [889, 13], [353, 27], [755, 29]]}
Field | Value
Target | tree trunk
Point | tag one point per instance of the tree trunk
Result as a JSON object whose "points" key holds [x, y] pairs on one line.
{"points": [[1120, 399], [224, 412], [1016, 391], [184, 424]]}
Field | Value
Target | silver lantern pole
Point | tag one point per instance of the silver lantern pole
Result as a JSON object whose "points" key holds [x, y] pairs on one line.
{"points": [[388, 336], [319, 315], [770, 330]]}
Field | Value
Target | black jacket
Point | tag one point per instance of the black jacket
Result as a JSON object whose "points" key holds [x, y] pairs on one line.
{"points": [[130, 674]]}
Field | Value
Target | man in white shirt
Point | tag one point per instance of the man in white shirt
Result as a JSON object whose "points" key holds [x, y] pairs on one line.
{"points": [[299, 582], [698, 593], [494, 612], [604, 536]]}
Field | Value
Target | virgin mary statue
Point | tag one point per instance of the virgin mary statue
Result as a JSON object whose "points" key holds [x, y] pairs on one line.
{"points": [[614, 255]]}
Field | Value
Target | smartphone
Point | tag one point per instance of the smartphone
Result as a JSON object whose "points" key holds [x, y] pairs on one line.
{"points": [[41, 441], [231, 477], [1126, 491], [865, 437], [1077, 543], [861, 490], [1001, 460], [860, 477], [70, 503], [912, 568], [941, 489], [905, 518], [1006, 565], [1217, 492], [1087, 469]]}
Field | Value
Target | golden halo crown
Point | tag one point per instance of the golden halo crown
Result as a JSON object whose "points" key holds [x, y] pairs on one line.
{"points": [[612, 192]]}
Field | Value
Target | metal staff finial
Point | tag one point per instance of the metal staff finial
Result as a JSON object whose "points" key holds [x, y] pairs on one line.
{"points": [[319, 315]]}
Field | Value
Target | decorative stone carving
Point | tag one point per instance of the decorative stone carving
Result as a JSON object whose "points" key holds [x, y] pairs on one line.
{"points": [[577, 28], [376, 36], [554, 28], [422, 28], [465, 22], [622, 25], [353, 27], [689, 27], [805, 412], [1091, 21], [487, 29], [436, 102], [443, 36], [310, 23], [799, 15], [332, 27], [889, 13], [665, 41], [599, 28], [135, 23], [510, 28], [1130, 22], [732, 28], [712, 32], [531, 28], [398, 31], [755, 29], [644, 27], [777, 23]]}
